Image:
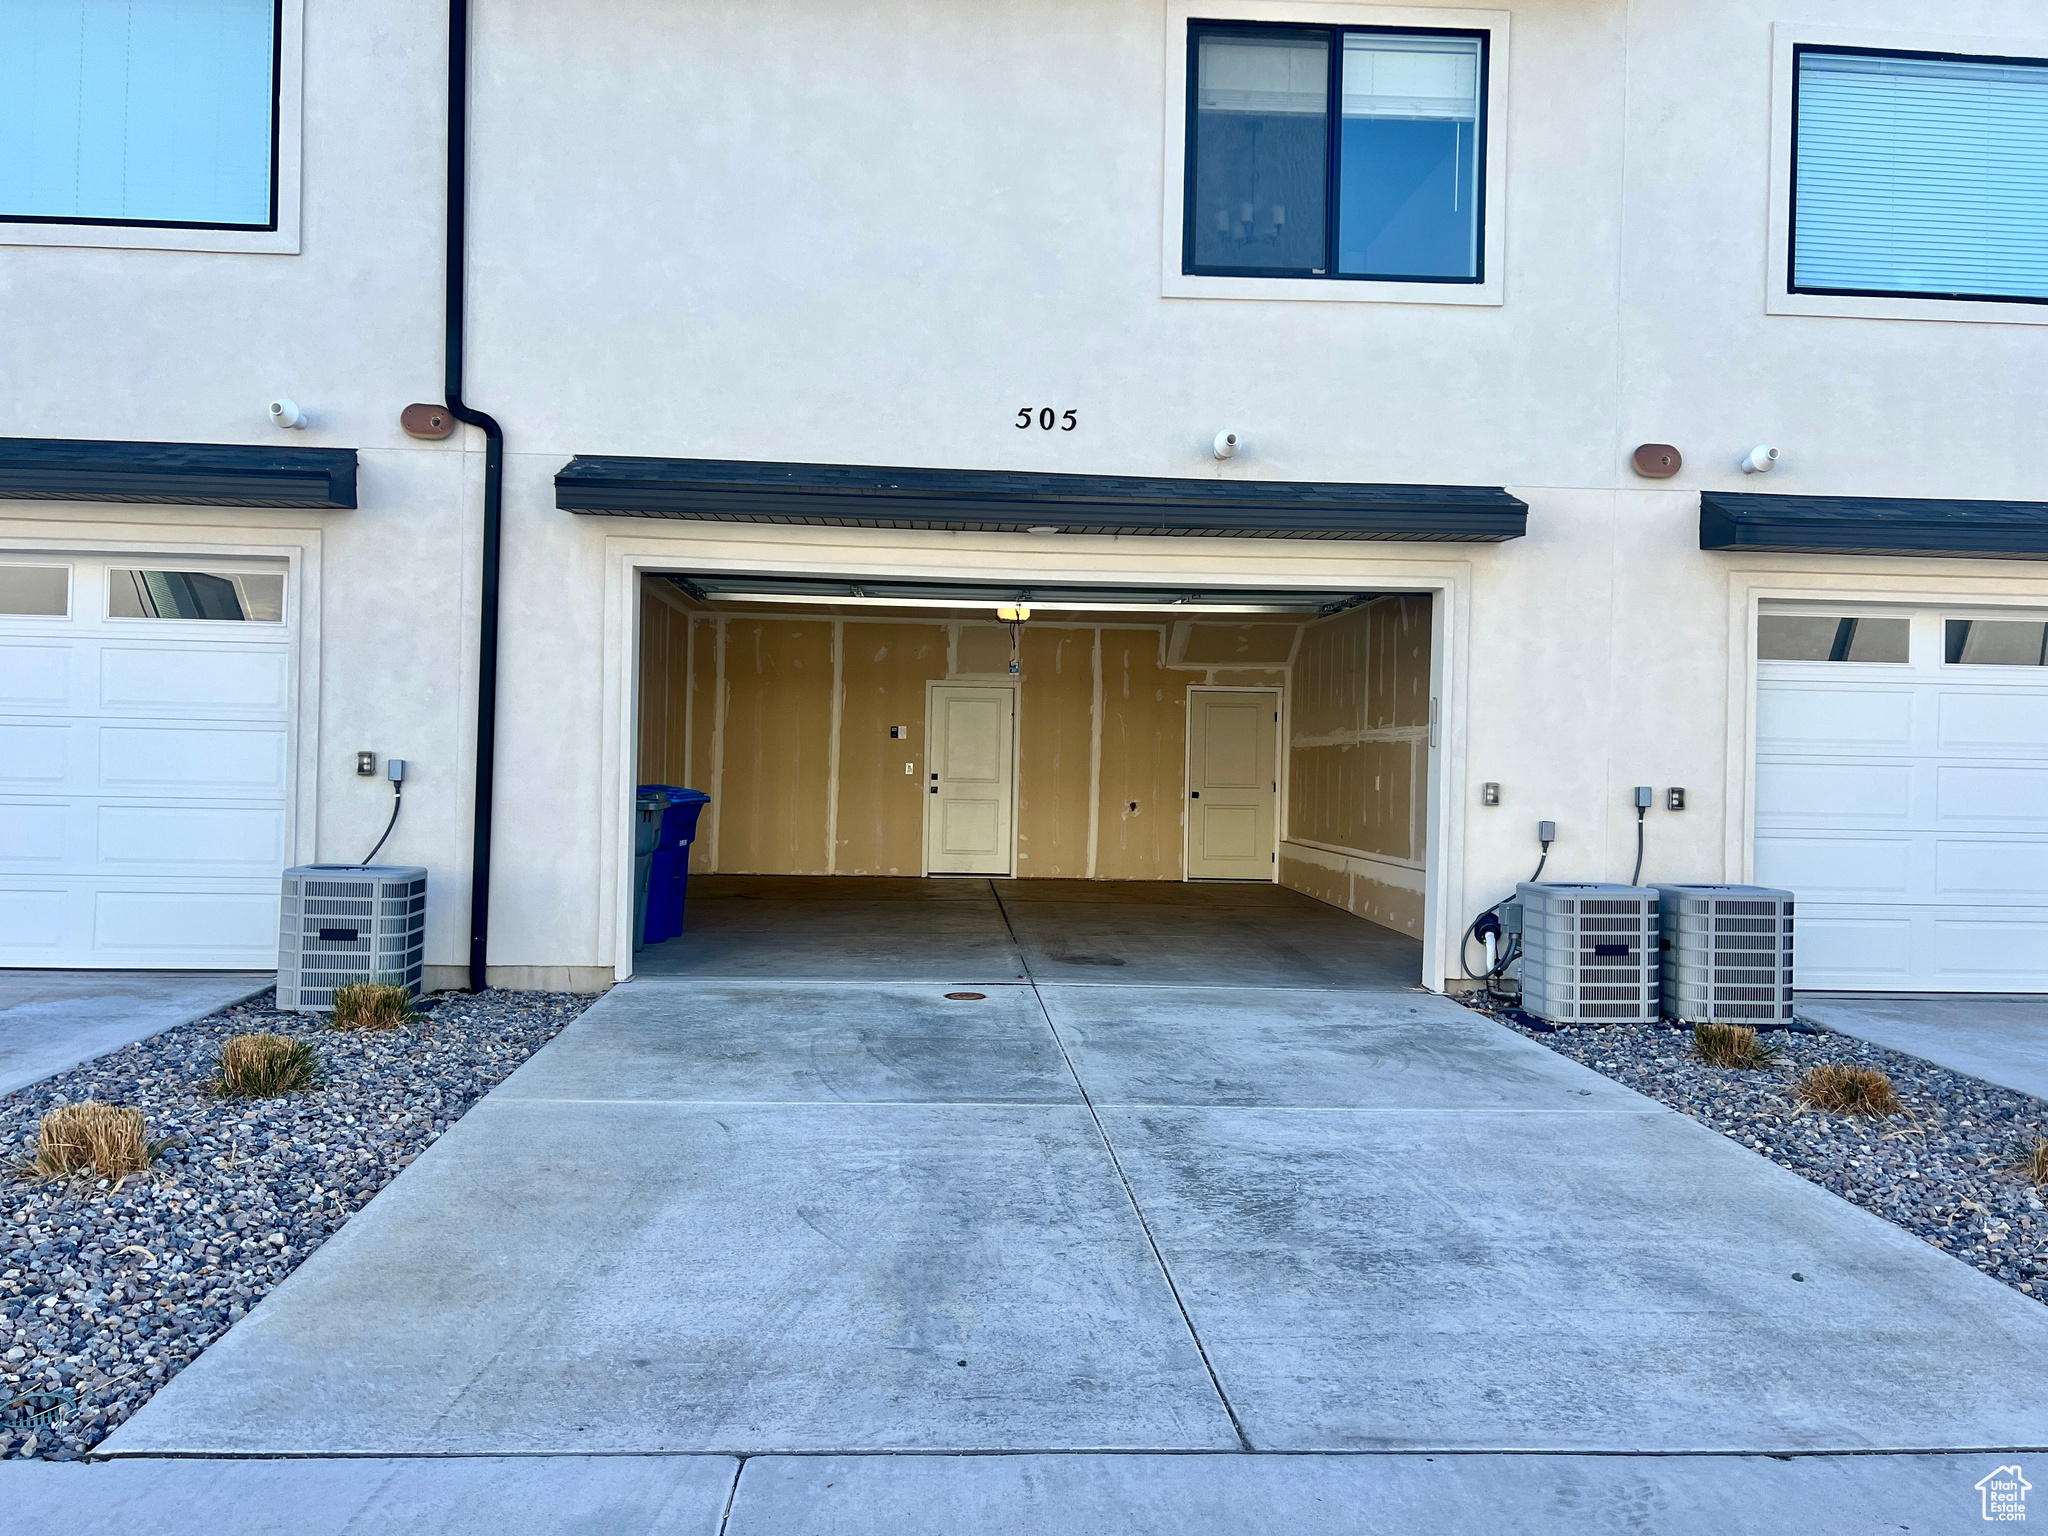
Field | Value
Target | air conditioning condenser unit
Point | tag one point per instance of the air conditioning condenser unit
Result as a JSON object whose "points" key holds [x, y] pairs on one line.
{"points": [[339, 923], [1727, 954], [1589, 952]]}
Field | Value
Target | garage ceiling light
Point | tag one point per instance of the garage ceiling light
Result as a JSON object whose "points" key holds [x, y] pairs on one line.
{"points": [[814, 599]]}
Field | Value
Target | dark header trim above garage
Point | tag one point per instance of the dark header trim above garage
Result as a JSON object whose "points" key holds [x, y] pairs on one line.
{"points": [[991, 501], [176, 474], [1874, 525]]}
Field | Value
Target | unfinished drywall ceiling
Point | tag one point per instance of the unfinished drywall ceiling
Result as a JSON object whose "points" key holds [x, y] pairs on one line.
{"points": [[883, 669]]}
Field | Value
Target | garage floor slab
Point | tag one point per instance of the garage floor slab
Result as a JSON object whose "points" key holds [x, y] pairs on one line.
{"points": [[2001, 1039], [50, 1021], [795, 927]]}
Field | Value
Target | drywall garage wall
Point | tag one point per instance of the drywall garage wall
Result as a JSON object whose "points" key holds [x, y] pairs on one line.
{"points": [[785, 721], [1357, 761]]}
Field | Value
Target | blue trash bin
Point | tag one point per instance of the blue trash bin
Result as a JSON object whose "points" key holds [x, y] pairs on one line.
{"points": [[668, 880]]}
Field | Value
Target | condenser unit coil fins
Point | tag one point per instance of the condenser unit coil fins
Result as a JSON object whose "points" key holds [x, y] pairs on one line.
{"points": [[1727, 954], [1589, 952], [339, 923]]}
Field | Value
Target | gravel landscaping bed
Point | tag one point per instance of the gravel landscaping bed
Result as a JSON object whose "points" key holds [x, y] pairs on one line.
{"points": [[1943, 1170], [107, 1293]]}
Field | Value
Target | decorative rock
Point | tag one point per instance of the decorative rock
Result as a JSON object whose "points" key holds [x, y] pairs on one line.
{"points": [[109, 1292]]}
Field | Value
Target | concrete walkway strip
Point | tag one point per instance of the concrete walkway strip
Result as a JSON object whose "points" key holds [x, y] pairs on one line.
{"points": [[2003, 1040], [1356, 1495], [50, 1021], [467, 1496]]}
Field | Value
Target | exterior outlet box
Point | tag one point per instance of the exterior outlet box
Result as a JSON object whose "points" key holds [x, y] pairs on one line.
{"points": [[1589, 953], [339, 923], [366, 764], [1727, 954]]}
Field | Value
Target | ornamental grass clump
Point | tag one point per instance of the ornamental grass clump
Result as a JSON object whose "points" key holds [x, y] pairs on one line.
{"points": [[1846, 1090], [2034, 1162], [1732, 1045], [371, 1005], [102, 1139], [262, 1066]]}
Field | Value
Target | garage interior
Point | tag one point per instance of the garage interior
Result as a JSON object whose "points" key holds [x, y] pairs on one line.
{"points": [[814, 711]]}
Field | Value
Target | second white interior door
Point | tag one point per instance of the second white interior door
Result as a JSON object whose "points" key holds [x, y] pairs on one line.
{"points": [[970, 790], [1233, 788]]}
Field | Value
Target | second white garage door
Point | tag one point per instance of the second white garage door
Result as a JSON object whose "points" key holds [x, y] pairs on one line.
{"points": [[1902, 795], [144, 763]]}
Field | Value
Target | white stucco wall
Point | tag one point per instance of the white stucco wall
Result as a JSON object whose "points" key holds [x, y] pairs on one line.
{"points": [[820, 231]]}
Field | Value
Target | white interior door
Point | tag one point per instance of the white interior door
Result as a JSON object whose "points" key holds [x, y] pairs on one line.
{"points": [[971, 794], [1902, 796], [144, 762], [1233, 782]]}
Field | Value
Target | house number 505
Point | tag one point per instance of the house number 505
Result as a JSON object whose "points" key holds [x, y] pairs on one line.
{"points": [[1045, 418]]}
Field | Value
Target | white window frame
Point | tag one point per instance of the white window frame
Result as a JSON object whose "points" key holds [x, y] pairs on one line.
{"points": [[1176, 284], [282, 241], [1779, 299]]}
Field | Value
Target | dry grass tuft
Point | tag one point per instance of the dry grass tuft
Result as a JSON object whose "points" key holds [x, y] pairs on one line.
{"points": [[264, 1066], [91, 1137], [2034, 1164], [1844, 1090], [371, 1005], [1732, 1045]]}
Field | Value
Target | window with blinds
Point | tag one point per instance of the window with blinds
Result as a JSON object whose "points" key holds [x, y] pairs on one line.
{"points": [[1919, 175], [147, 112]]}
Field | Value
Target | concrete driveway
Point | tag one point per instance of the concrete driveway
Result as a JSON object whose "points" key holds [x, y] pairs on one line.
{"points": [[2002, 1039], [735, 1216]]}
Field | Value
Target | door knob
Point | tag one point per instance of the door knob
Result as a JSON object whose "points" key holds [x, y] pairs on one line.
{"points": [[1195, 794]]}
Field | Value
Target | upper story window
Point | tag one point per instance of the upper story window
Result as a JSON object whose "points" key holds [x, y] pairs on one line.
{"points": [[1919, 175], [157, 113], [1335, 152]]}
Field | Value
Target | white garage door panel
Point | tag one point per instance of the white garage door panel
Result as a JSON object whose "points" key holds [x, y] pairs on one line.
{"points": [[1994, 724], [174, 760], [35, 923], [34, 675], [177, 925], [1816, 719], [1833, 950], [34, 756], [1840, 792], [189, 678], [1991, 951], [1975, 871], [31, 835], [2009, 797], [210, 840], [1818, 868], [145, 785], [1948, 889]]}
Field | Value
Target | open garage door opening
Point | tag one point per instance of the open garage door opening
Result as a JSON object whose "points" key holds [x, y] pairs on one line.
{"points": [[1134, 777]]}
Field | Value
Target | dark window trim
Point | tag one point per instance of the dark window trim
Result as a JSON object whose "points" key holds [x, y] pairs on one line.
{"points": [[1792, 284], [276, 124], [1333, 150]]}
